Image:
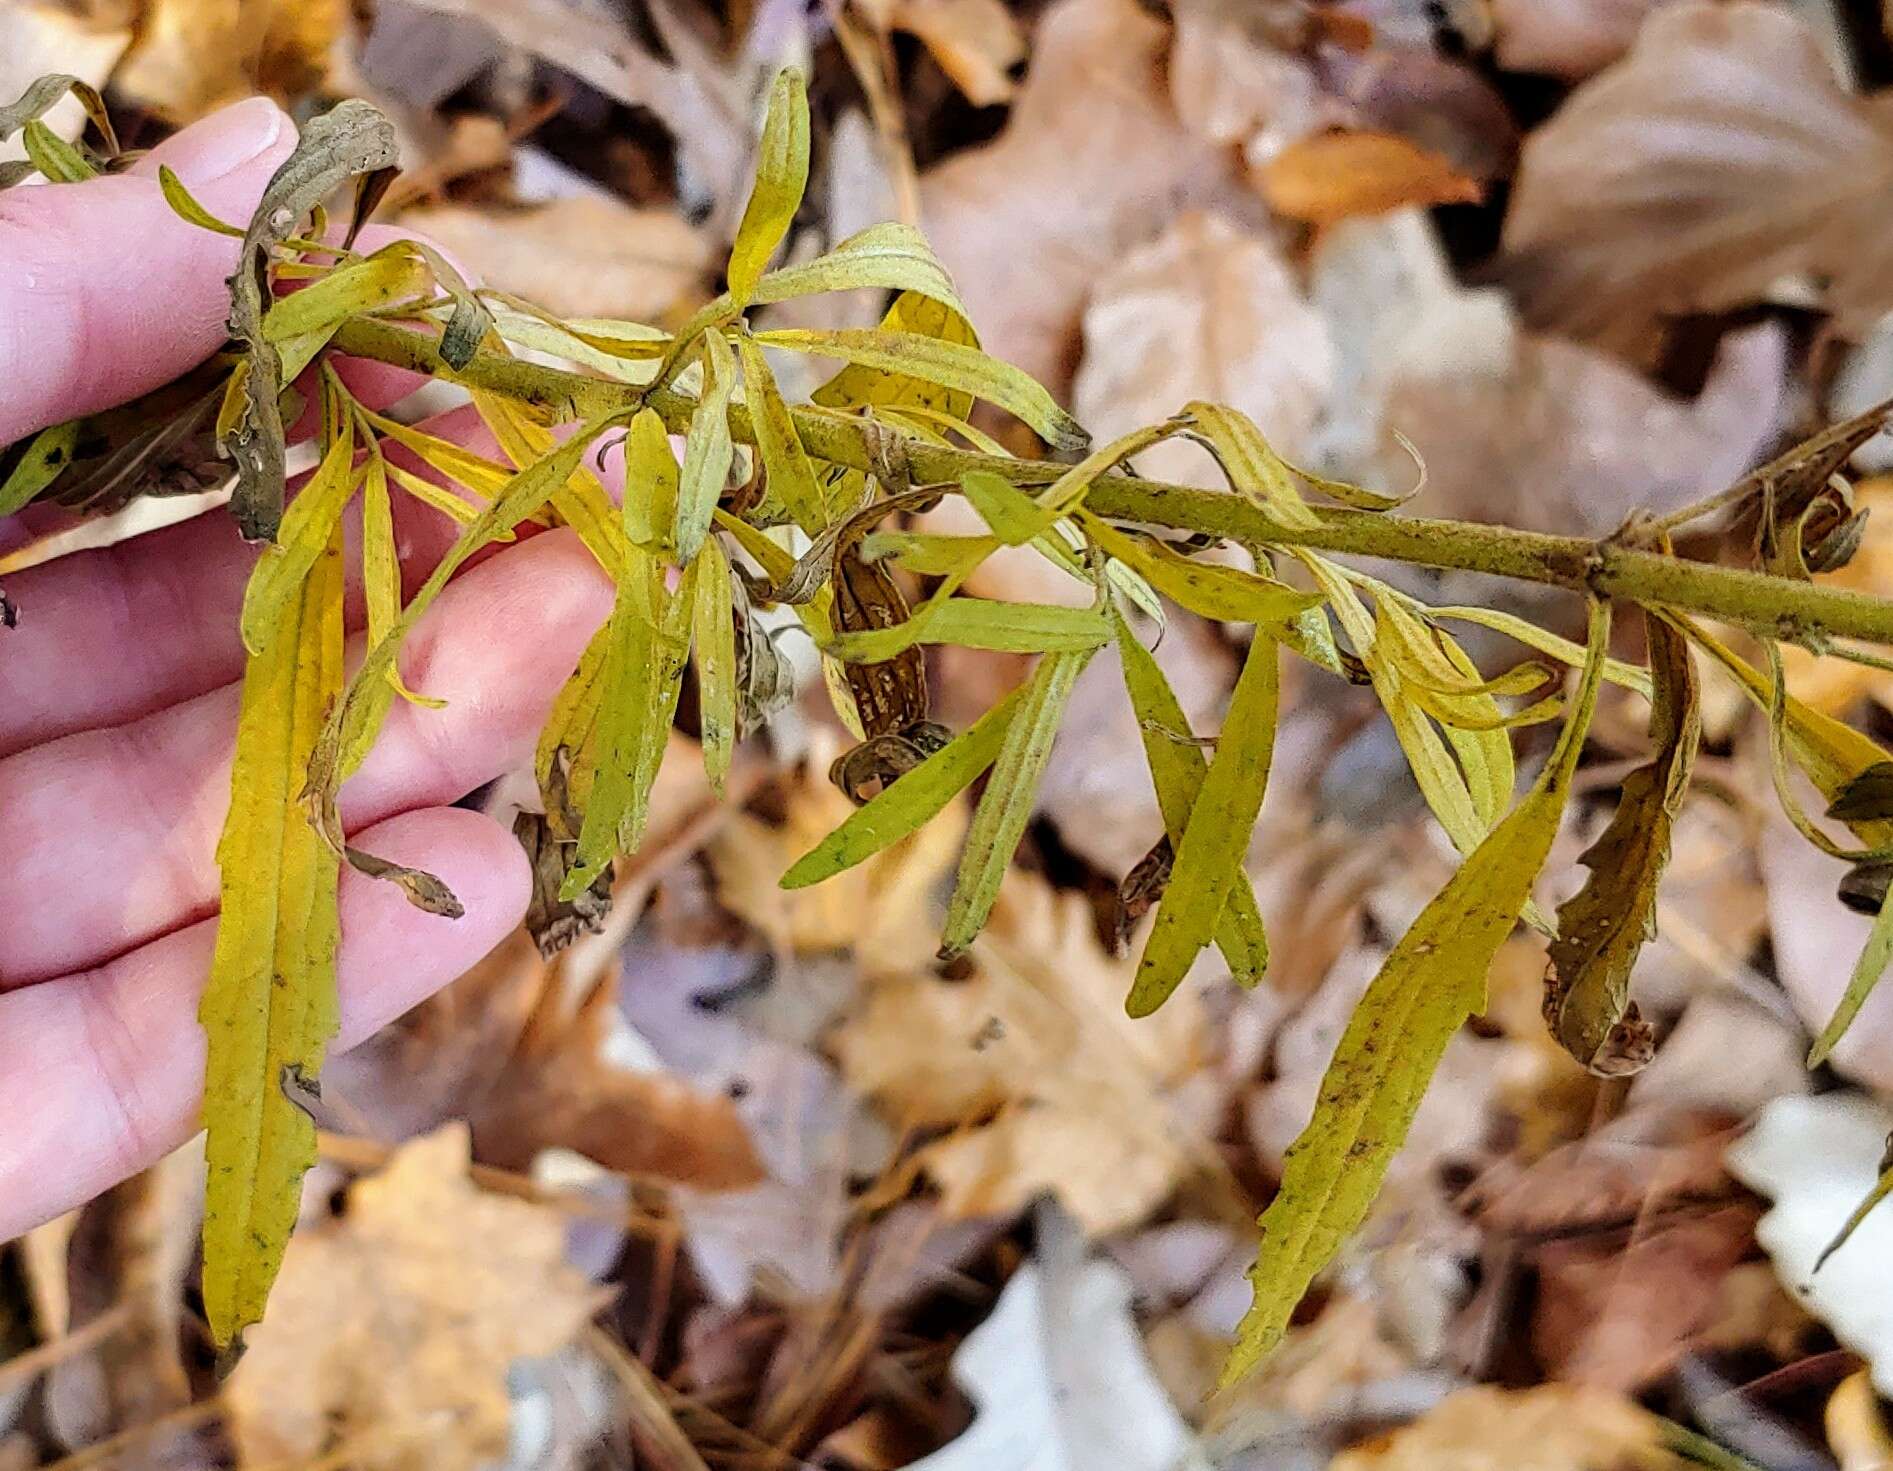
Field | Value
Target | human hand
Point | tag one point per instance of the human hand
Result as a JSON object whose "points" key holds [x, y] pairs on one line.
{"points": [[118, 701]]}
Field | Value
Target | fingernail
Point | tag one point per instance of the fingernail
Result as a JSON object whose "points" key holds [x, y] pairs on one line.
{"points": [[222, 143]]}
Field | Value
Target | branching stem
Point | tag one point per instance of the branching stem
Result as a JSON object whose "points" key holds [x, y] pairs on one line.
{"points": [[1778, 607]]}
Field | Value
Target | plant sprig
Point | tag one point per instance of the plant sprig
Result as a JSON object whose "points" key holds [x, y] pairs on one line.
{"points": [[794, 505]]}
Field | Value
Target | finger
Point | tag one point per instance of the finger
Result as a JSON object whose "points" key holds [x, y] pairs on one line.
{"points": [[110, 835], [107, 293], [112, 634], [102, 1073]]}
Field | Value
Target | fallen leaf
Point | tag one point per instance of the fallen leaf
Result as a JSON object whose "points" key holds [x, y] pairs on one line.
{"points": [[1205, 311], [1233, 82], [190, 57], [583, 256], [1816, 1159], [1566, 38], [1031, 1064], [1092, 161], [1720, 154], [884, 909], [1515, 428], [392, 1326], [1549, 1427], [1059, 1374], [976, 42], [1618, 1315], [1331, 176]]}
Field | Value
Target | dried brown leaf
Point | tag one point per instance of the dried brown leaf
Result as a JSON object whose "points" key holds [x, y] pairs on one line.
{"points": [[1334, 175], [1550, 1427]]}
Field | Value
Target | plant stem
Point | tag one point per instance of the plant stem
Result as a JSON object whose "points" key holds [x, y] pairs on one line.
{"points": [[1777, 607]]}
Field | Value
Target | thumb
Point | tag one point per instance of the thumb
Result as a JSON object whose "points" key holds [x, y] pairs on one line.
{"points": [[104, 292]]}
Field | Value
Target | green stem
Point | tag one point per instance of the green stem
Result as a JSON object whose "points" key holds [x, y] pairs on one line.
{"points": [[1778, 607]]}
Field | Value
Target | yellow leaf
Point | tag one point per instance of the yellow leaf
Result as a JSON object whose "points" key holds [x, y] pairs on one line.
{"points": [[269, 1008], [781, 177], [1432, 980]]}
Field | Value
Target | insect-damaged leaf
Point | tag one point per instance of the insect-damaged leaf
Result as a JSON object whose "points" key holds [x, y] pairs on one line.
{"points": [[351, 138], [1177, 768], [1603, 926], [949, 364], [1006, 806], [907, 803], [781, 176], [269, 1009], [35, 464], [1210, 849], [1432, 980]]}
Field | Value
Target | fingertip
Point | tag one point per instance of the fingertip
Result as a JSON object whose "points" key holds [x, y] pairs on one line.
{"points": [[394, 956]]}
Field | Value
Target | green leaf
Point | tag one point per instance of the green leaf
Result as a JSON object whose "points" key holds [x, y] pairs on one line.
{"points": [[1014, 516], [977, 623], [1177, 769], [56, 159], [312, 517], [708, 452], [1882, 1188], [269, 1008], [949, 364], [1632, 677], [906, 804], [1603, 926], [856, 387], [1255, 471], [1209, 853], [1867, 971], [644, 665], [714, 635], [381, 567], [890, 256], [1011, 795], [351, 138], [40, 463], [361, 285], [784, 461], [781, 178], [184, 204], [1431, 982], [650, 482], [1206, 588]]}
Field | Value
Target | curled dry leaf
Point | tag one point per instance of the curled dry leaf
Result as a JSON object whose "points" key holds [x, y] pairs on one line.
{"points": [[1720, 154], [1207, 311], [1092, 161], [191, 56], [1031, 1064], [1334, 175], [1550, 1427], [586, 256], [392, 1327], [1566, 38]]}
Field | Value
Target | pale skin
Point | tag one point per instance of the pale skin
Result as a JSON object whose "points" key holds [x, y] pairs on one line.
{"points": [[118, 694]]}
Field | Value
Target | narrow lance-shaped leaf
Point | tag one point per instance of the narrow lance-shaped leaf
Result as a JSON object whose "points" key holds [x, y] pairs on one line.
{"points": [[59, 161], [1866, 798], [1432, 980], [781, 177], [305, 533], [713, 634], [351, 138], [270, 1008], [708, 451], [381, 567], [1255, 471], [1177, 768], [1603, 926], [1882, 1188], [978, 623], [1209, 853], [650, 482], [910, 801], [644, 664], [44, 94], [359, 286], [1006, 806], [949, 364], [890, 256], [1205, 588], [185, 206], [580, 500], [791, 477]]}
